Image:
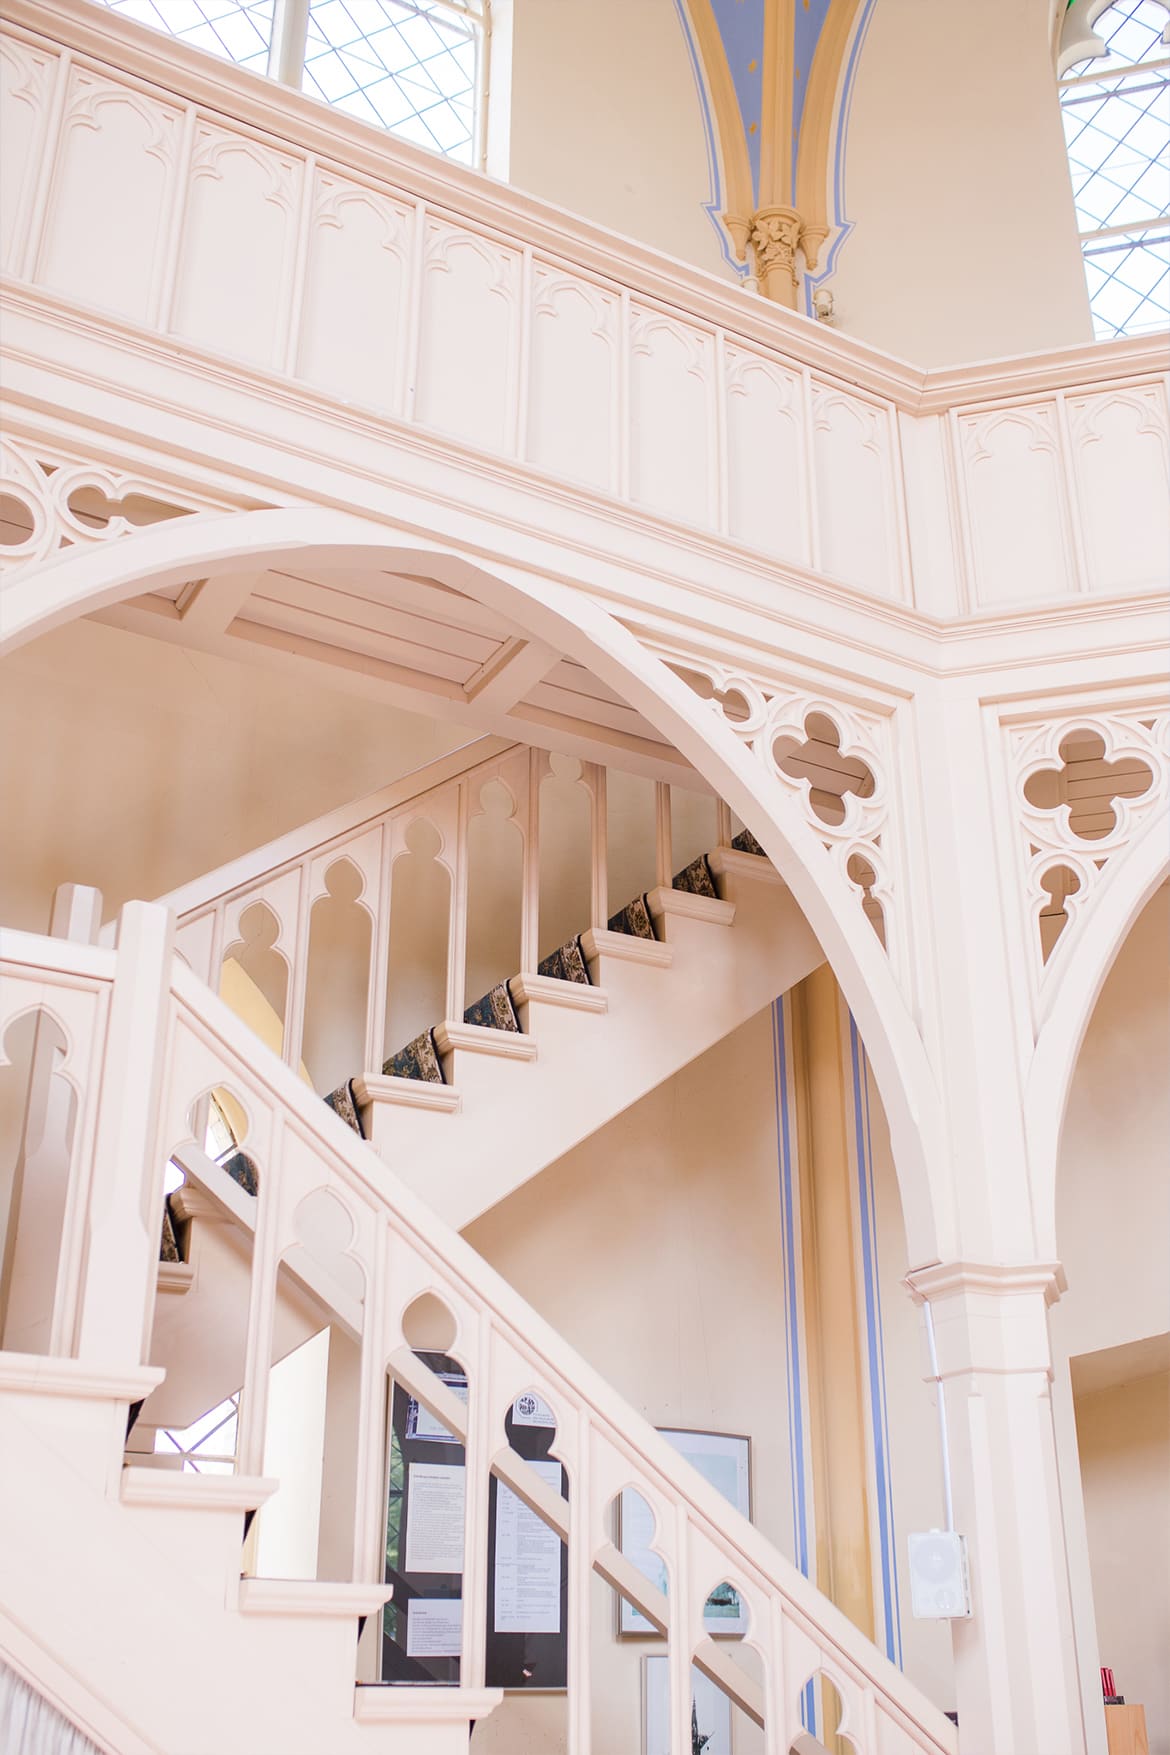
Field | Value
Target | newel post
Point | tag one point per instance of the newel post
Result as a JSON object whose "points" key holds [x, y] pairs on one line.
{"points": [[126, 1193]]}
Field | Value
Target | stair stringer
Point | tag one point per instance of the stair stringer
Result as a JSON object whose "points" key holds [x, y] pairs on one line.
{"points": [[133, 1618], [516, 1117]]}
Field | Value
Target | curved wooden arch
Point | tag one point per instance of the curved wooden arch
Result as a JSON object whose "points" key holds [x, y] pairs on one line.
{"points": [[207, 546]]}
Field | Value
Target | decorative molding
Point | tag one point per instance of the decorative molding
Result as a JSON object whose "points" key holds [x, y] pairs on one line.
{"points": [[180, 1490], [482, 1039], [44, 1374], [311, 1598], [765, 714], [1050, 848], [998, 1279], [383, 1703], [49, 488], [567, 995], [664, 902]]}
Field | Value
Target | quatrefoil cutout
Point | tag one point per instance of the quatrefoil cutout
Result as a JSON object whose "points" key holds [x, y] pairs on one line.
{"points": [[1087, 784], [831, 776]]}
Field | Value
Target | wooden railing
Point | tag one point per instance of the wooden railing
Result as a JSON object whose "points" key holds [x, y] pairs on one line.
{"points": [[255, 225], [287, 877], [144, 1042]]}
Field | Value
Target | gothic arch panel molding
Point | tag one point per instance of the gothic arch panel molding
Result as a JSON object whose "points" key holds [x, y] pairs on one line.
{"points": [[54, 501], [744, 771]]}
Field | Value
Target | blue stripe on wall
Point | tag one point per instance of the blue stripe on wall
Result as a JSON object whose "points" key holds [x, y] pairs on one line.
{"points": [[792, 1319], [843, 226], [875, 1350]]}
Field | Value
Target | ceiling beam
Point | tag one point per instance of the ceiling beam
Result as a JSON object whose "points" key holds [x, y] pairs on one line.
{"points": [[509, 674]]}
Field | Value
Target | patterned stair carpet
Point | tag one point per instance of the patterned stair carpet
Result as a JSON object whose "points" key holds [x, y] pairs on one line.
{"points": [[496, 1010]]}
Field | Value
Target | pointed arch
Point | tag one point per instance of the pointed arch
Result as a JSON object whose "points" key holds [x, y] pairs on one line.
{"points": [[1093, 943], [569, 621]]}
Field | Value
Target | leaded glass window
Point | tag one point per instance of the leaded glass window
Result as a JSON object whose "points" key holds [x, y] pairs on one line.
{"points": [[1116, 109], [413, 67]]}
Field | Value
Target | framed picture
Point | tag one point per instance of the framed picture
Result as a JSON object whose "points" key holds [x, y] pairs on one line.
{"points": [[710, 1712], [723, 1459]]}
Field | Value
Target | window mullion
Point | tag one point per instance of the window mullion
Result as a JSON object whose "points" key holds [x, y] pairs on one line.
{"points": [[290, 33]]}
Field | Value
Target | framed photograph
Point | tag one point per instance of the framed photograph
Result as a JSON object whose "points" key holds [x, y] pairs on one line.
{"points": [[723, 1459], [710, 1711]]}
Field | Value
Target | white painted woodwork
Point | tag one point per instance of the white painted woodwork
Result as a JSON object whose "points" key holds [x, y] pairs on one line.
{"points": [[168, 1548], [416, 294]]}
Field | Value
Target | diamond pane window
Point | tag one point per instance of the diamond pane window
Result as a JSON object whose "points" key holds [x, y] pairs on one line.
{"points": [[208, 1445], [1116, 110], [413, 67], [235, 30], [409, 65]]}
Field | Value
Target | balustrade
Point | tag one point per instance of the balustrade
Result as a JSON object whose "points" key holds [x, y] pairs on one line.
{"points": [[193, 201], [367, 1250]]}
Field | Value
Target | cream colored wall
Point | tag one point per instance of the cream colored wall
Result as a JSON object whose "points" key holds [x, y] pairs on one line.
{"points": [[965, 242], [1113, 1195], [675, 1206], [915, 1466], [134, 766], [1124, 1438], [606, 121]]}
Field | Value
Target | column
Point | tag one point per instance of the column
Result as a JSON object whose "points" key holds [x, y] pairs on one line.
{"points": [[1015, 1662]]}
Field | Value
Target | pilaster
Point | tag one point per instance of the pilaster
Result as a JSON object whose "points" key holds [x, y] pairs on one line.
{"points": [[1015, 1657]]}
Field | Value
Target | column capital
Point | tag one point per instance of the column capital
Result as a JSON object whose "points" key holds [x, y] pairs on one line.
{"points": [[989, 1317], [996, 1279], [776, 235]]}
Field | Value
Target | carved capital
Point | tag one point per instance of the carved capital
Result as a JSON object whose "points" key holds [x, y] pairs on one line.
{"points": [[776, 235]]}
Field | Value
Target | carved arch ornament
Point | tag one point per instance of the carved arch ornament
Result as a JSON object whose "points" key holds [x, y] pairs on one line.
{"points": [[1084, 785], [52, 501], [783, 725]]}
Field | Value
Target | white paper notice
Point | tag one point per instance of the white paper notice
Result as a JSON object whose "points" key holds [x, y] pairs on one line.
{"points": [[421, 1423], [528, 1562], [529, 1410], [434, 1626], [434, 1517]]}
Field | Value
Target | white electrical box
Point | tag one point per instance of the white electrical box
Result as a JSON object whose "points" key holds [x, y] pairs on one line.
{"points": [[939, 1587]]}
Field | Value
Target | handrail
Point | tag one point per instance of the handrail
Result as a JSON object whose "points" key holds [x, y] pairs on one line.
{"points": [[321, 833], [403, 1249]]}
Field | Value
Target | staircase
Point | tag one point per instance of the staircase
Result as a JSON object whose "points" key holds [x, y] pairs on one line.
{"points": [[567, 1043], [120, 1576]]}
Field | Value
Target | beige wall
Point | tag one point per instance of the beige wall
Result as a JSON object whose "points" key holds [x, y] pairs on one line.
{"points": [[1124, 1437], [1113, 1195], [965, 241], [606, 121], [670, 1216], [135, 766], [674, 1212]]}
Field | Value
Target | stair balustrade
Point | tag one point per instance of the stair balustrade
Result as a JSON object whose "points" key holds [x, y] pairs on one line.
{"points": [[145, 1042], [289, 876]]}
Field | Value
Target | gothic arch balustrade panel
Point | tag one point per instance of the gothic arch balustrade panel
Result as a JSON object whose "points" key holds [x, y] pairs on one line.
{"points": [[53, 500]]}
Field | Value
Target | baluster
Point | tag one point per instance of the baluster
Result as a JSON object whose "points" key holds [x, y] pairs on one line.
{"points": [[253, 1411], [126, 1190], [679, 1638], [375, 1052], [477, 1458], [663, 841], [298, 973], [369, 1532], [530, 910], [47, 1201], [457, 937], [599, 834], [723, 822], [776, 1740], [581, 1525]]}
